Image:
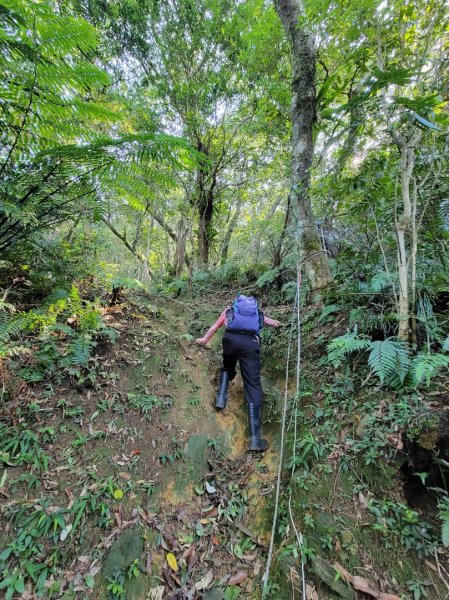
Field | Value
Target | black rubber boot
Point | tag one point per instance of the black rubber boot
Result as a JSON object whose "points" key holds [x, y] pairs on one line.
{"points": [[222, 392], [256, 443]]}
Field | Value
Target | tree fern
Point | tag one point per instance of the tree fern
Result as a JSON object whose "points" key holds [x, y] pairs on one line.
{"points": [[56, 160]]}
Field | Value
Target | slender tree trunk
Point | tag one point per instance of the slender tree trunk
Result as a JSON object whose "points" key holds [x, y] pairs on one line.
{"points": [[413, 254], [316, 264], [407, 149], [258, 236], [205, 227], [180, 255], [277, 257], [227, 238], [205, 207]]}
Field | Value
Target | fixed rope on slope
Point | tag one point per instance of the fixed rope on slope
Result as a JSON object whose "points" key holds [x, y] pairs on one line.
{"points": [[295, 314]]}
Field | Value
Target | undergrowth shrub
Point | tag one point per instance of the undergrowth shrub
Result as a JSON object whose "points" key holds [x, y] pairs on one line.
{"points": [[389, 359], [59, 337]]}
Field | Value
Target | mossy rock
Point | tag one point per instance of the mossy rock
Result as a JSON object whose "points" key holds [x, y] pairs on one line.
{"points": [[380, 477]]}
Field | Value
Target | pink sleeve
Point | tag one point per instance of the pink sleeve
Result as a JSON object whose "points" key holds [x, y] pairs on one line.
{"points": [[269, 322], [216, 326]]}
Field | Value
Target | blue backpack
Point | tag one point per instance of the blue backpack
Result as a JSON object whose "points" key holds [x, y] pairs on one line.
{"points": [[244, 315]]}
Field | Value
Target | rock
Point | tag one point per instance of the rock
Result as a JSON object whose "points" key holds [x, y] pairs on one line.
{"points": [[324, 523], [326, 574], [124, 551], [346, 536], [362, 426], [213, 594]]}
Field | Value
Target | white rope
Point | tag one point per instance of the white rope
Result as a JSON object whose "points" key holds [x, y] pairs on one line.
{"points": [[298, 534], [283, 428]]}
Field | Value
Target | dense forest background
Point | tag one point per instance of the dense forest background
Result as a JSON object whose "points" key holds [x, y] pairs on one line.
{"points": [[181, 151]]}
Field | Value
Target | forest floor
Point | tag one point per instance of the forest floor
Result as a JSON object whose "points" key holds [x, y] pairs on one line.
{"points": [[136, 487], [165, 498]]}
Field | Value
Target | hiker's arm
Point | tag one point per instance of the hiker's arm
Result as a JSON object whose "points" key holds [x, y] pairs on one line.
{"points": [[215, 327], [270, 322]]}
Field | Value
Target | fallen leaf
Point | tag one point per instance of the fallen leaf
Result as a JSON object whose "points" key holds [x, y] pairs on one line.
{"points": [[343, 572], [191, 557], [210, 488], [365, 586], [311, 593], [238, 578], [65, 532], [362, 500], [205, 581], [124, 475], [156, 593], [172, 563], [384, 596], [211, 512]]}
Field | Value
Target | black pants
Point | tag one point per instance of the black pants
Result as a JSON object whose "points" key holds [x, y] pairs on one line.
{"points": [[245, 349]]}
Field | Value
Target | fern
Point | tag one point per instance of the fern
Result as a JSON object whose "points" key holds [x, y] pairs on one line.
{"points": [[445, 346], [267, 277], [346, 344], [328, 310], [80, 351], [380, 281], [389, 358], [443, 514], [425, 366]]}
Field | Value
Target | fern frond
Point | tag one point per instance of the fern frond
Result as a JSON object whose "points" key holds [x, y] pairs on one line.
{"points": [[426, 366], [328, 310], [389, 358], [445, 347], [346, 344]]}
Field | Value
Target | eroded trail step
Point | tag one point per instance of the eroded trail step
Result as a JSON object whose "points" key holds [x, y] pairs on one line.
{"points": [[209, 505], [157, 495]]}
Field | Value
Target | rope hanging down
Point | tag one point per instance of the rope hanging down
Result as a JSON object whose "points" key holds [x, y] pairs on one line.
{"points": [[296, 313]]}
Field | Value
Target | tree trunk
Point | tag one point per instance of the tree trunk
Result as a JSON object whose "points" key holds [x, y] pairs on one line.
{"points": [[180, 256], [206, 207], [205, 183], [316, 264], [258, 236], [122, 236], [227, 238], [407, 149]]}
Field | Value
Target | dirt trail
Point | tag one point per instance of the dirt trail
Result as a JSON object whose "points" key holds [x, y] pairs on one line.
{"points": [[146, 491]]}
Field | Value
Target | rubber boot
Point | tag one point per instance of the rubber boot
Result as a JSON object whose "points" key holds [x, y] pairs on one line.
{"points": [[256, 443], [222, 392]]}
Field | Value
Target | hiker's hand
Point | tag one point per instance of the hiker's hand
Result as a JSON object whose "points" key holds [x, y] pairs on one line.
{"points": [[276, 324], [201, 341]]}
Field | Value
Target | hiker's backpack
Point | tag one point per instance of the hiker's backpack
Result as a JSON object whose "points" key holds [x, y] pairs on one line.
{"points": [[244, 315]]}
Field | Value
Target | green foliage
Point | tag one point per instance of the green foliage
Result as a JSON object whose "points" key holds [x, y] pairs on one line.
{"points": [[443, 514], [146, 404], [426, 366], [67, 329], [346, 344], [396, 520], [388, 359]]}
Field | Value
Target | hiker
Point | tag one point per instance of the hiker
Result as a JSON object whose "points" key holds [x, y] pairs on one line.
{"points": [[241, 342]]}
